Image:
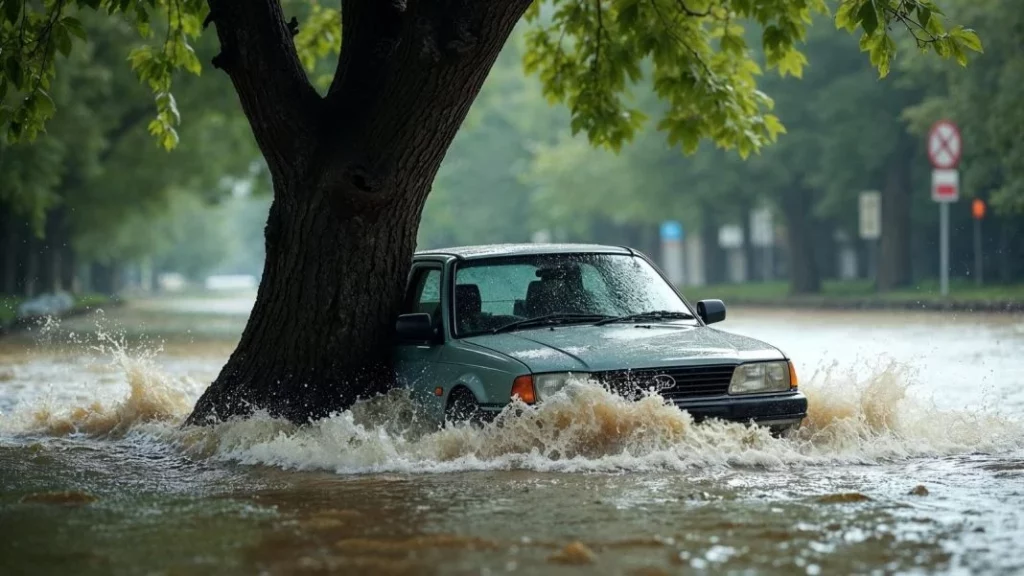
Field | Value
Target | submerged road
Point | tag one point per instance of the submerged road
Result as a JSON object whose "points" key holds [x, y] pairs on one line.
{"points": [[912, 459]]}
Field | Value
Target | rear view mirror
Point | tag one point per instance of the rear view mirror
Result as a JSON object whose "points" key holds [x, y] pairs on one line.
{"points": [[711, 311], [415, 328]]}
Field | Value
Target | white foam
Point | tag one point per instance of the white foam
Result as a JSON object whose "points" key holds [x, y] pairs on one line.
{"points": [[854, 418]]}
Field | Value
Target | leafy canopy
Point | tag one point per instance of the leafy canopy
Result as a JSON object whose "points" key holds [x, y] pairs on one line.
{"points": [[587, 53]]}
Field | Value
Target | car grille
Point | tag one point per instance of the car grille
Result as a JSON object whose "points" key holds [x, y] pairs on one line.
{"points": [[689, 381]]}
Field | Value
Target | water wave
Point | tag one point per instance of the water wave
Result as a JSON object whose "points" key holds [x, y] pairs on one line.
{"points": [[853, 418]]}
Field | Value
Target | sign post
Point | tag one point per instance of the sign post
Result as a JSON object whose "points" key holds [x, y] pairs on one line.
{"points": [[978, 211], [871, 226], [672, 250], [944, 150], [762, 235]]}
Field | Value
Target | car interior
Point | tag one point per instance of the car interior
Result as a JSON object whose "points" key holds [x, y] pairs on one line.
{"points": [[557, 290]]}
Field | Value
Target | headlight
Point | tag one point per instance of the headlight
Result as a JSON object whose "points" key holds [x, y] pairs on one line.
{"points": [[547, 385], [760, 377]]}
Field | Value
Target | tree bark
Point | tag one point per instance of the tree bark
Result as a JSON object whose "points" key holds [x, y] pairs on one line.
{"points": [[749, 253], [105, 278], [894, 266], [714, 257], [9, 255], [69, 269], [804, 277], [351, 173], [52, 252], [31, 278]]}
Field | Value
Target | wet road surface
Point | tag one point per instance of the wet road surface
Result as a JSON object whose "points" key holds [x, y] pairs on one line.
{"points": [[912, 460]]}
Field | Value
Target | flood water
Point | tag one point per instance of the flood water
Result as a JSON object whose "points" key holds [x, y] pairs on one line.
{"points": [[912, 460]]}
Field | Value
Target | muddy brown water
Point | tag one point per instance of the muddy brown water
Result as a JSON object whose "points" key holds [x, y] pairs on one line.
{"points": [[911, 461]]}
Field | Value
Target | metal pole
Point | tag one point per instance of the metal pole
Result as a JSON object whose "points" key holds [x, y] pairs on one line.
{"points": [[873, 260], [977, 252], [944, 248]]}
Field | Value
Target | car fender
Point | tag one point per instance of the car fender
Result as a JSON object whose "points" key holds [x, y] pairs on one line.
{"points": [[474, 383]]}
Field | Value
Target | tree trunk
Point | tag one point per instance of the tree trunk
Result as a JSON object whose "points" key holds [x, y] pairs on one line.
{"points": [[9, 243], [894, 267], [105, 278], [31, 279], [803, 266], [69, 270], [351, 174], [714, 257], [52, 252], [749, 253]]}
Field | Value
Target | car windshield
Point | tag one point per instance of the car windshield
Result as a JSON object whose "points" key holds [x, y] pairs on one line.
{"points": [[493, 293]]}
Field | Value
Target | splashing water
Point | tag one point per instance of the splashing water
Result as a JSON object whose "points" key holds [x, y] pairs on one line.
{"points": [[853, 418]]}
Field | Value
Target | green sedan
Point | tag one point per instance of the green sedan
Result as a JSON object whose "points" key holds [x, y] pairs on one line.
{"points": [[481, 325]]}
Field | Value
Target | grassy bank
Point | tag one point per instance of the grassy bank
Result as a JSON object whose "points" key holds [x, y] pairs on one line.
{"points": [[963, 294], [9, 305]]}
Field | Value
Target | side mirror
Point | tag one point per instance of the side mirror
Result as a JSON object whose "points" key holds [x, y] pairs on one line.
{"points": [[711, 311], [415, 328]]}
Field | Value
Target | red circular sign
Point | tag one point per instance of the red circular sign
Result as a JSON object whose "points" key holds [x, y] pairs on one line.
{"points": [[944, 145]]}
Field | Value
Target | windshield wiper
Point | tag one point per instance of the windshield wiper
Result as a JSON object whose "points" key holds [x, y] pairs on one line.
{"points": [[651, 315], [556, 318]]}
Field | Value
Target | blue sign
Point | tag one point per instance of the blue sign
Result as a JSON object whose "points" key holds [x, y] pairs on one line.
{"points": [[671, 230]]}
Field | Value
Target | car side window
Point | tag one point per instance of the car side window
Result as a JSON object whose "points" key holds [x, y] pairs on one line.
{"points": [[425, 293]]}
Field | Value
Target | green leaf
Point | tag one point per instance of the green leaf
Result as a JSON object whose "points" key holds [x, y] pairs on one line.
{"points": [[74, 26], [12, 9], [845, 17], [968, 38], [13, 72], [924, 14], [868, 17], [42, 104], [63, 40]]}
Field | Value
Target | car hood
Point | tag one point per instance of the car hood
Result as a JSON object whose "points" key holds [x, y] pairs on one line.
{"points": [[587, 348]]}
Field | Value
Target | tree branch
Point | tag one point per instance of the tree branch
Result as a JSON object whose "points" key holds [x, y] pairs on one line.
{"points": [[258, 54], [406, 77], [690, 12]]}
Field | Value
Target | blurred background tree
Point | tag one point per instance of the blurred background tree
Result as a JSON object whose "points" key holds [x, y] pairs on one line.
{"points": [[93, 204]]}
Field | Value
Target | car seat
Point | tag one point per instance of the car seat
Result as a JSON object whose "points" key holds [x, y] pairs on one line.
{"points": [[468, 306], [558, 290]]}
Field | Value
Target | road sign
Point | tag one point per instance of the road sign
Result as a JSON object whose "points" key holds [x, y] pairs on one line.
{"points": [[671, 230], [761, 232], [870, 215], [978, 208], [730, 236], [945, 185], [672, 251], [944, 145]]}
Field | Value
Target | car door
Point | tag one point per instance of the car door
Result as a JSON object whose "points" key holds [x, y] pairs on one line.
{"points": [[416, 363]]}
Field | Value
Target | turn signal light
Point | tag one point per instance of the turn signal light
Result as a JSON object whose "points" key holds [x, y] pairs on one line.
{"points": [[523, 387], [792, 377]]}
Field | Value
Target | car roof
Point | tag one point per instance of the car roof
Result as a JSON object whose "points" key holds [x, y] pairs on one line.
{"points": [[499, 250]]}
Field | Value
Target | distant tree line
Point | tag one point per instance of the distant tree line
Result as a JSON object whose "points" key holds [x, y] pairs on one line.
{"points": [[94, 195], [515, 168]]}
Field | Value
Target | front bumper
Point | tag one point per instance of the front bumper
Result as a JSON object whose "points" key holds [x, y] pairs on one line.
{"points": [[778, 410]]}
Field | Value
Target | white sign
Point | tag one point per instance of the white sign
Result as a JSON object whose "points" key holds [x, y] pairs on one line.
{"points": [[945, 185], [761, 228], [944, 145], [870, 215], [730, 236]]}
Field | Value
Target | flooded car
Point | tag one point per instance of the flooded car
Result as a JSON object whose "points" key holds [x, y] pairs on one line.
{"points": [[483, 325]]}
